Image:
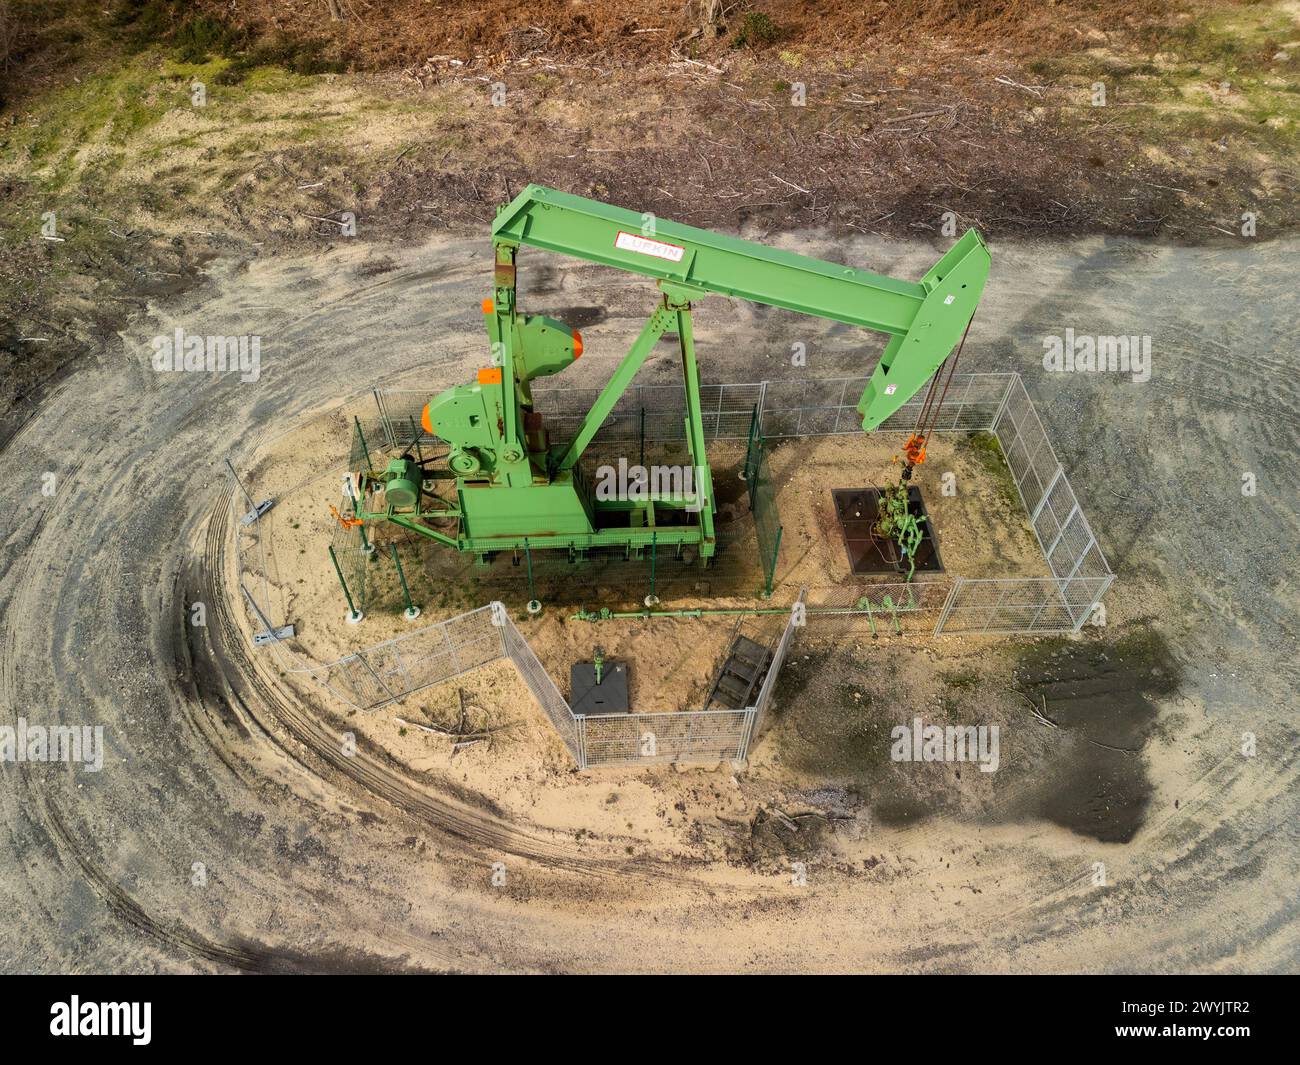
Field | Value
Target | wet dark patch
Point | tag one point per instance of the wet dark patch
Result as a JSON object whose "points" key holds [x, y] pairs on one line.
{"points": [[258, 958], [539, 279], [831, 732], [1101, 695], [897, 811], [374, 266], [1087, 775], [776, 837], [580, 317]]}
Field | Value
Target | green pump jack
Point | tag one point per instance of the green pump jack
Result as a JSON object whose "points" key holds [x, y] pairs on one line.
{"points": [[516, 490]]}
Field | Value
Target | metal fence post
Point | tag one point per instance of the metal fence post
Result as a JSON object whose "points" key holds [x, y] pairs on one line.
{"points": [[1060, 471], [1107, 581], [384, 420], [365, 451], [1002, 405], [948, 605], [1061, 532], [378, 680]]}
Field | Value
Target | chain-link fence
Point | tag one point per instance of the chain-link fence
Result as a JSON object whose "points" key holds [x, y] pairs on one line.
{"points": [[362, 430], [539, 682], [762, 505], [1007, 606], [388, 672], [651, 412], [866, 609], [392, 670], [358, 433], [687, 736], [772, 410], [349, 546], [828, 406], [1068, 544], [798, 621]]}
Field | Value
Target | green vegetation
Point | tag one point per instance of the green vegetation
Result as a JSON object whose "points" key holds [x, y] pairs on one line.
{"points": [[170, 25], [756, 30], [962, 680], [1200, 81], [985, 447]]}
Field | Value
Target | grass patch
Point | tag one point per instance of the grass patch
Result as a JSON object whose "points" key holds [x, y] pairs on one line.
{"points": [[756, 30], [985, 448], [962, 679]]}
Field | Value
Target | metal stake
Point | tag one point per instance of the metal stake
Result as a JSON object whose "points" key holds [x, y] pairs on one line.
{"points": [[354, 615], [652, 599], [362, 437], [412, 611], [534, 604], [255, 510], [270, 633]]}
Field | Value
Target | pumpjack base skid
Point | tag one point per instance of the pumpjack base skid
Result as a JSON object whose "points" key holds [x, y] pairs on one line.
{"points": [[655, 529]]}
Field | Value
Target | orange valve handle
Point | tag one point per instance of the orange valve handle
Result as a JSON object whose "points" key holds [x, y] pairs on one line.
{"points": [[347, 523]]}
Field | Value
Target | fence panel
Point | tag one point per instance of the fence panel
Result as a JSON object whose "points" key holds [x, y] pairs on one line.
{"points": [[390, 671], [1019, 605], [688, 736], [349, 549], [658, 410], [764, 701], [539, 682], [869, 609], [1058, 522], [828, 406], [762, 504]]}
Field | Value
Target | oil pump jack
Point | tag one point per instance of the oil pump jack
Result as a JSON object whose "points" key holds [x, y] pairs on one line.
{"points": [[516, 489]]}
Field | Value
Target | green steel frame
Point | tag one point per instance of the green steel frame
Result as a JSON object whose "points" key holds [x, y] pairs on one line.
{"points": [[512, 486]]}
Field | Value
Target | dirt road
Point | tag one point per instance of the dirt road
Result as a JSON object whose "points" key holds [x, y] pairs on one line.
{"points": [[226, 830]]}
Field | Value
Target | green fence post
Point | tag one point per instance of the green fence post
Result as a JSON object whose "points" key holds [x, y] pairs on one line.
{"points": [[415, 439], [362, 437], [643, 437], [412, 611], [776, 550], [534, 604], [354, 615], [749, 445], [652, 599]]}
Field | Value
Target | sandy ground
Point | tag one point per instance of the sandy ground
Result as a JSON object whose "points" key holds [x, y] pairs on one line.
{"points": [[284, 562], [319, 857]]}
